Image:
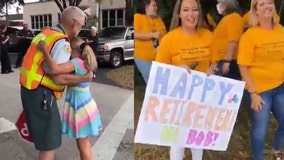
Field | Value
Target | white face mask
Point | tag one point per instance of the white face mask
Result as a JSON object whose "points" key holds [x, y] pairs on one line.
{"points": [[152, 14], [220, 9]]}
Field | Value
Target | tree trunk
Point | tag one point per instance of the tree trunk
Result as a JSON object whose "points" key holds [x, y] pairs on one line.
{"points": [[128, 12], [59, 5]]}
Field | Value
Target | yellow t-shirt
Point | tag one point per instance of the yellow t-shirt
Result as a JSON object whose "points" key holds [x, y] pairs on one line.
{"points": [[230, 28], [247, 16], [143, 49], [263, 52], [177, 48]]}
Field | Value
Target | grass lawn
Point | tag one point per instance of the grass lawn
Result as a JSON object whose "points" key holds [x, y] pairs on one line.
{"points": [[239, 146], [123, 76]]}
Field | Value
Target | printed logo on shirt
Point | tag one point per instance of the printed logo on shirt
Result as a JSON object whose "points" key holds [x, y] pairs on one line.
{"points": [[67, 48]]}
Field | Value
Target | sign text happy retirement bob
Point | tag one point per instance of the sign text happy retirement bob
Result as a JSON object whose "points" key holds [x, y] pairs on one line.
{"points": [[189, 110]]}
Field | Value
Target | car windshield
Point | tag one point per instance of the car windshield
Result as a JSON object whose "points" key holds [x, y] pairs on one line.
{"points": [[113, 32]]}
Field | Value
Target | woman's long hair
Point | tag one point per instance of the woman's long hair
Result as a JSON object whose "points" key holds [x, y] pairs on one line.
{"points": [[176, 22], [142, 5]]}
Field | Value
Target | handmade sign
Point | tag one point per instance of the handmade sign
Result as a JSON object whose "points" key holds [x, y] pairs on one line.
{"points": [[190, 110]]}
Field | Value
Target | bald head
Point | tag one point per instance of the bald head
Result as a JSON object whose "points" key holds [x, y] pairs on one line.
{"points": [[72, 13], [72, 19]]}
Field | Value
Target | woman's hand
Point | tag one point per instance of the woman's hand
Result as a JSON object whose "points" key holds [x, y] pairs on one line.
{"points": [[156, 35], [186, 67], [42, 46], [226, 68], [211, 69], [256, 102]]}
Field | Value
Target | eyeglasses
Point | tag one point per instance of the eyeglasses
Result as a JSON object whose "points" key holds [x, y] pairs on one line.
{"points": [[76, 21]]}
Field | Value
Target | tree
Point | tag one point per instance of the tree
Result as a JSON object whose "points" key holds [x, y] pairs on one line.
{"points": [[62, 4], [129, 12], [4, 3]]}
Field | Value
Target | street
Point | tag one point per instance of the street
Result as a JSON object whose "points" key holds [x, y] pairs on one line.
{"points": [[116, 109]]}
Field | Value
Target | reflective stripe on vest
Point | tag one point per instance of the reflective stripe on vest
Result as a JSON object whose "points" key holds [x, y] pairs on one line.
{"points": [[31, 73]]}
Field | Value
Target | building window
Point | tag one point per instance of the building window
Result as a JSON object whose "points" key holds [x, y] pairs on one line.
{"points": [[40, 21], [113, 17]]}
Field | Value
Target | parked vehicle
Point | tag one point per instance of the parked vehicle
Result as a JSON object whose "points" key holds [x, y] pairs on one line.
{"points": [[35, 31], [116, 45], [84, 33], [13, 43]]}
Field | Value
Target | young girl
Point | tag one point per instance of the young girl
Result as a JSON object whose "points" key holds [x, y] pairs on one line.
{"points": [[80, 118]]}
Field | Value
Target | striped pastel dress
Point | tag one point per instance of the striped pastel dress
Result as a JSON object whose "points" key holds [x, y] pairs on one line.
{"points": [[81, 116]]}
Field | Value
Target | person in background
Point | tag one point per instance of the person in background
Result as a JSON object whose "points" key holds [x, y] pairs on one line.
{"points": [[226, 38], [40, 87], [187, 45], [93, 41], [149, 28], [212, 17], [25, 37], [5, 59], [80, 117], [260, 58]]}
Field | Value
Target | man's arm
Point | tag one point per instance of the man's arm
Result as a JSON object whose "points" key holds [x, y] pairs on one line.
{"points": [[69, 79], [61, 53]]}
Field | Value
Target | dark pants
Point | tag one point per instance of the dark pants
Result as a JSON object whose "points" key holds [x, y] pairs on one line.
{"points": [[43, 121], [5, 60]]}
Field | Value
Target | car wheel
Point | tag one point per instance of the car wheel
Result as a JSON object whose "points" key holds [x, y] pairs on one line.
{"points": [[115, 59]]}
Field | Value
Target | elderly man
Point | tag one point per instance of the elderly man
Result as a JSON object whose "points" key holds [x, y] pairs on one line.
{"points": [[40, 89]]}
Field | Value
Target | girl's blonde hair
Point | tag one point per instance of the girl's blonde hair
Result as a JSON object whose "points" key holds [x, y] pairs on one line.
{"points": [[87, 53], [253, 18], [176, 22]]}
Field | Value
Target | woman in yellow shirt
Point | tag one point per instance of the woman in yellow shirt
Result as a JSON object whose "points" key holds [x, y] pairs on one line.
{"points": [[186, 45], [225, 39], [148, 31], [261, 61]]}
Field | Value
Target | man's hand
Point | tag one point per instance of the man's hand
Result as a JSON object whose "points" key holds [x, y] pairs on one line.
{"points": [[70, 79], [59, 79], [89, 75], [42, 46]]}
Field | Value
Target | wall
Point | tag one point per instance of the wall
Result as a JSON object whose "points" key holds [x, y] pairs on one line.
{"points": [[40, 8]]}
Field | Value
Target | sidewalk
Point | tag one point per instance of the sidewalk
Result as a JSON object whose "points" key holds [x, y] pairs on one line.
{"points": [[116, 108], [106, 147]]}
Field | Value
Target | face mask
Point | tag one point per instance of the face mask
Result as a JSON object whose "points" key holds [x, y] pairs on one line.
{"points": [[219, 8], [152, 14]]}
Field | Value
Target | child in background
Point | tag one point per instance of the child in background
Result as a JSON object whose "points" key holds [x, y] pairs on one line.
{"points": [[80, 118]]}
